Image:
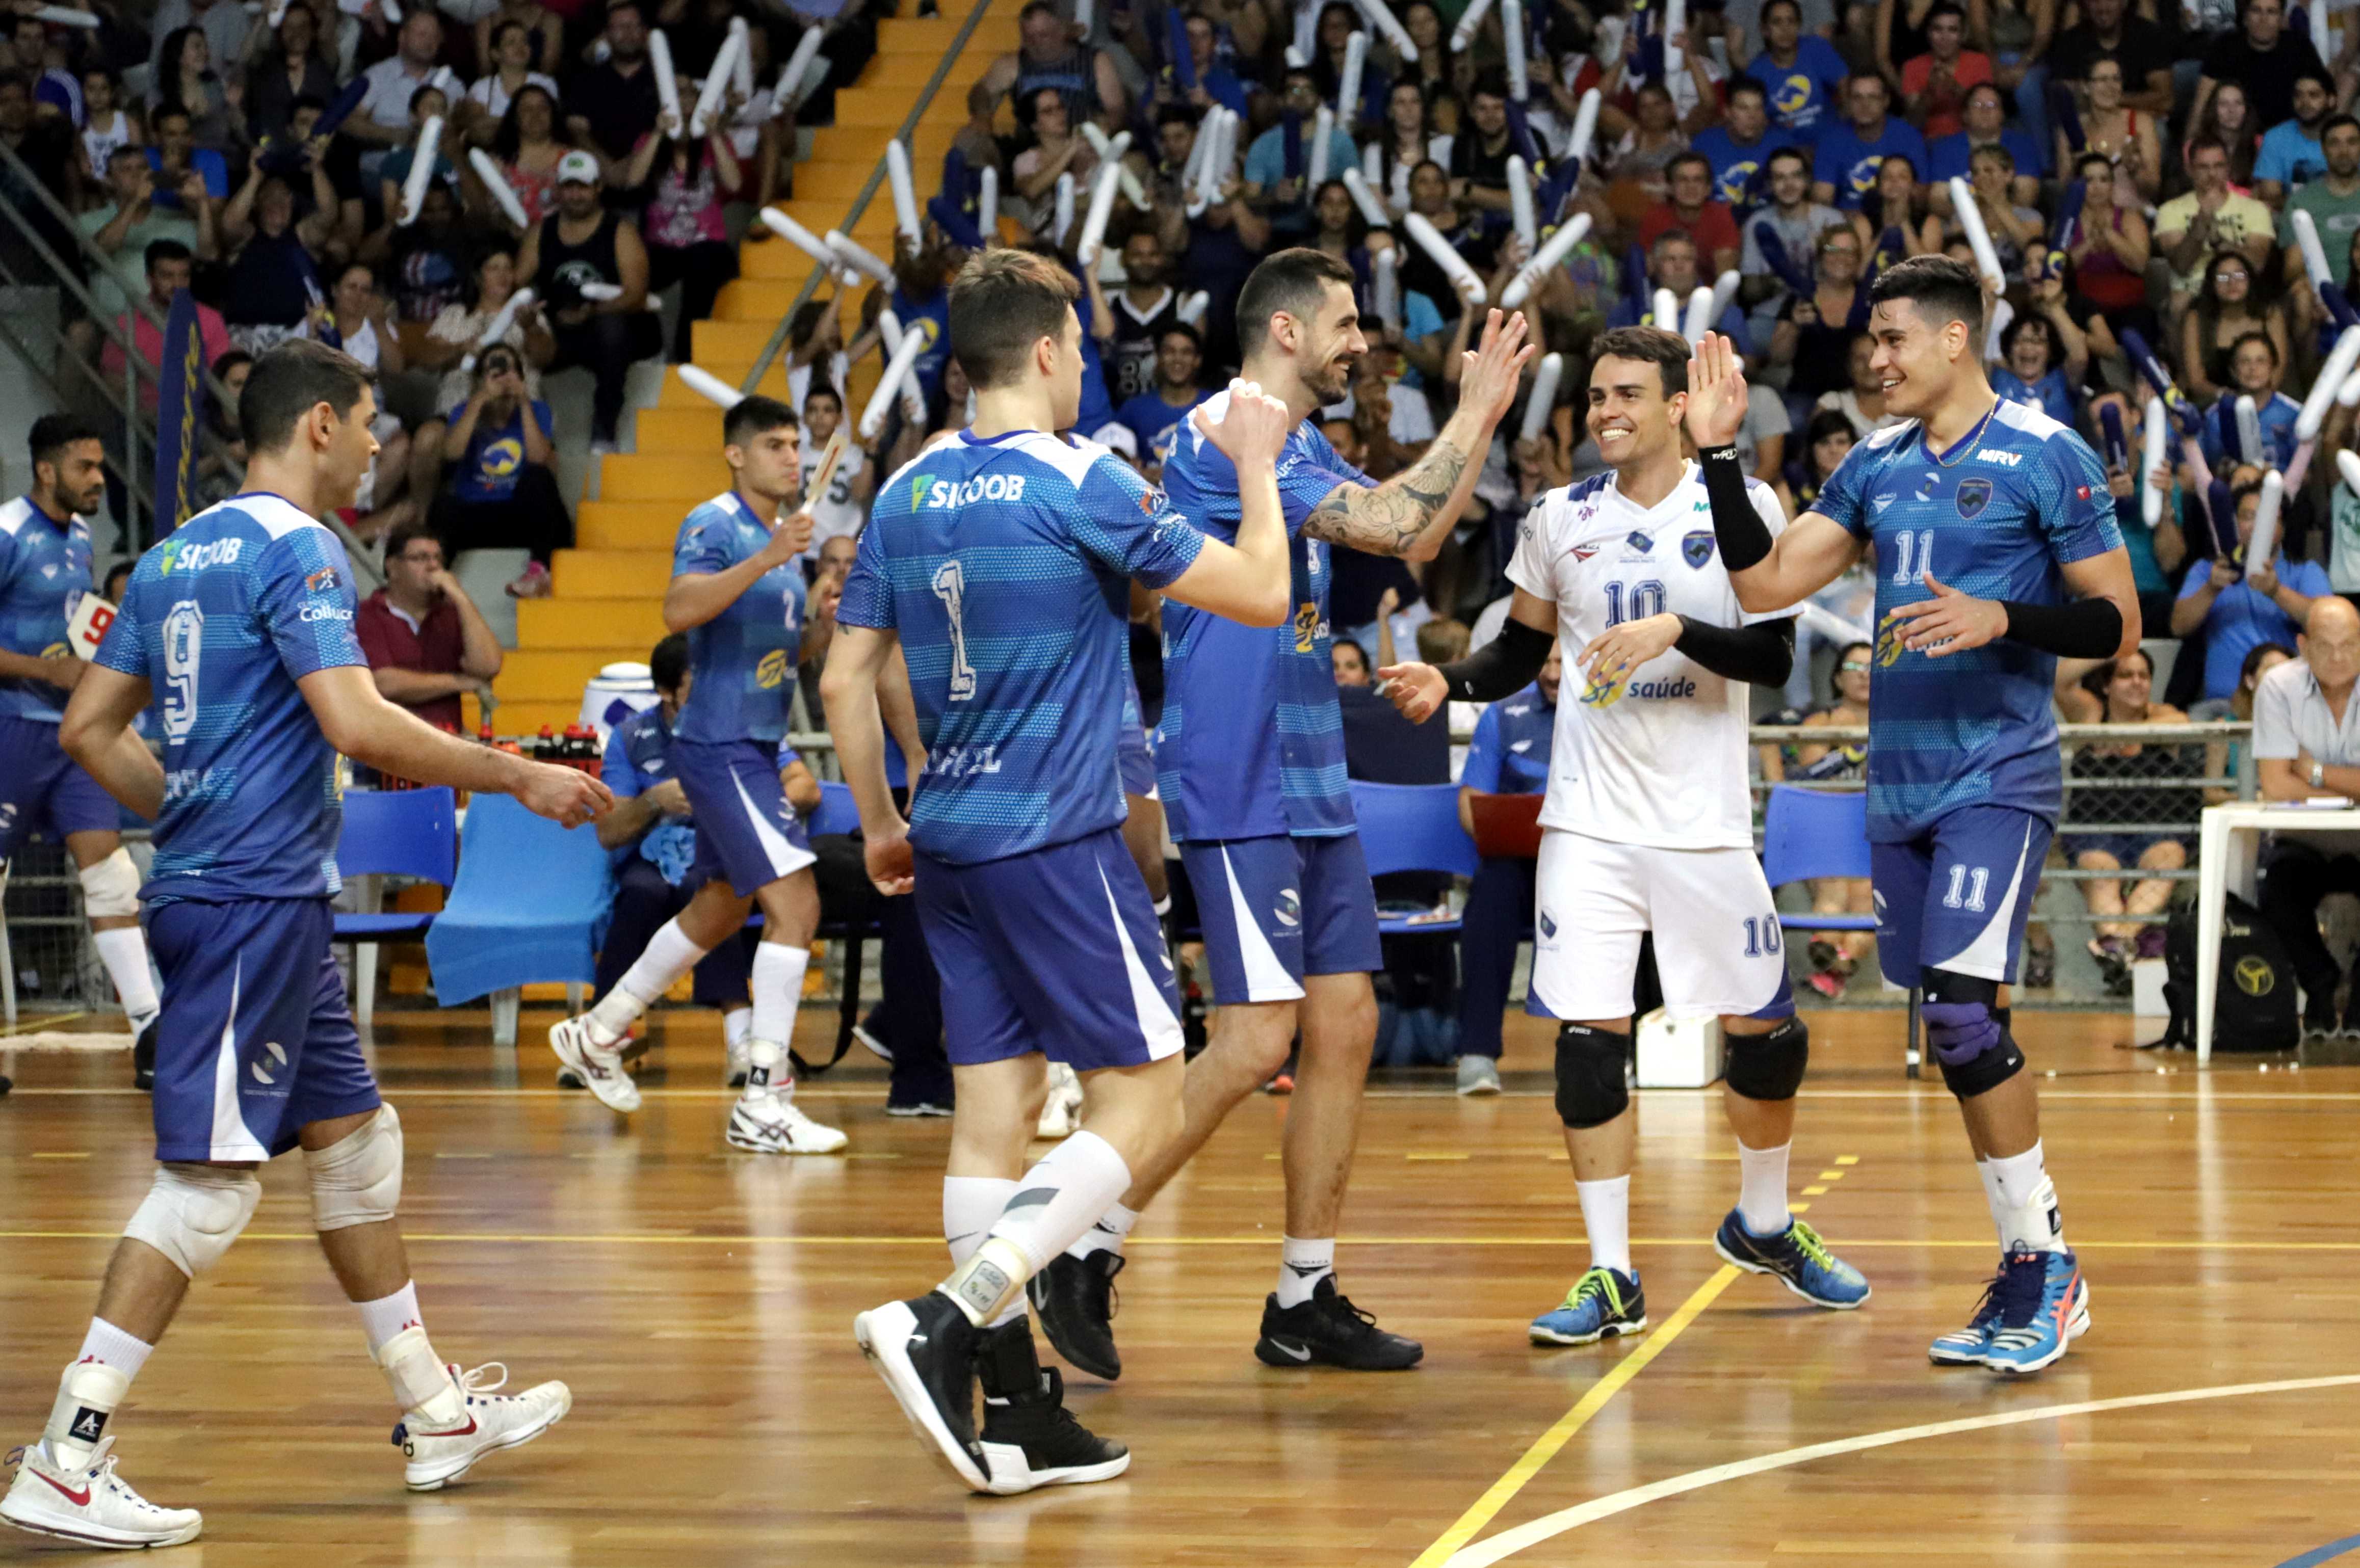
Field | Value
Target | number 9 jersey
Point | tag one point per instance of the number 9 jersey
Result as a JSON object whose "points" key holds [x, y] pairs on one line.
{"points": [[1656, 758]]}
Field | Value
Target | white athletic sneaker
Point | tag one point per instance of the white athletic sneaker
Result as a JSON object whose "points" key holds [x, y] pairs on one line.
{"points": [[494, 1420], [92, 1505], [764, 1124], [600, 1067], [1061, 1113], [741, 1062]]}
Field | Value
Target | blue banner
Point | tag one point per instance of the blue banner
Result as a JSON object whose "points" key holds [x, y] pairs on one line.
{"points": [[180, 414]]}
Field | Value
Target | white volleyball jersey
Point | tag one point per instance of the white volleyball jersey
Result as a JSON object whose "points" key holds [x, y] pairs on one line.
{"points": [[835, 513], [1658, 759]]}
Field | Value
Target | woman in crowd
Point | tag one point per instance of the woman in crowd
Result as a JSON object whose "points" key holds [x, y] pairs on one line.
{"points": [[2226, 758], [2228, 118], [292, 62], [687, 238], [2041, 359], [1814, 335], [2016, 232], [356, 316], [526, 150], [486, 107], [544, 27], [1339, 229], [108, 120], [274, 272], [2109, 249], [1406, 139], [503, 492], [1436, 73], [2121, 692], [1836, 954], [457, 332], [2226, 308], [184, 76], [1338, 22], [1350, 662], [1057, 149], [2130, 140], [1893, 225]]}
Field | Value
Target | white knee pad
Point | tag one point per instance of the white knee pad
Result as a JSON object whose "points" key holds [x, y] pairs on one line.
{"points": [[111, 887], [194, 1212], [356, 1181]]}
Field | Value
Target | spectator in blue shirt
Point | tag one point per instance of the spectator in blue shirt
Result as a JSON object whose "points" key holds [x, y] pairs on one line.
{"points": [[503, 492], [2253, 373], [2239, 612], [1279, 183], [1985, 117], [1739, 148], [1852, 151], [2042, 355], [2290, 153], [1801, 72], [1155, 416], [1510, 757]]}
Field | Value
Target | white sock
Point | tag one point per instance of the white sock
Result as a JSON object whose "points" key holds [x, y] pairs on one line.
{"points": [[1055, 1202], [2030, 1220], [1301, 1266], [668, 955], [735, 1024], [1991, 1200], [970, 1203], [101, 1374], [778, 990], [388, 1316], [1606, 1216], [124, 953], [762, 1070], [1107, 1233], [1762, 1192]]}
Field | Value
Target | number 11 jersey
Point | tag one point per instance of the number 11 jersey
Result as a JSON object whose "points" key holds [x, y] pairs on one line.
{"points": [[1657, 758]]}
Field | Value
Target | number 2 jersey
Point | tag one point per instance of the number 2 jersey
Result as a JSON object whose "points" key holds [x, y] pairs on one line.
{"points": [[1657, 758], [1004, 566], [222, 619], [1995, 516]]}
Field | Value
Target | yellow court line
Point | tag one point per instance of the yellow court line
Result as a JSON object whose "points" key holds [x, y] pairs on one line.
{"points": [[1572, 1422], [694, 1238]]}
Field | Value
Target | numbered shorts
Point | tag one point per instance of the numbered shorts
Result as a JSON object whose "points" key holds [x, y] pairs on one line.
{"points": [[44, 790], [746, 834], [1056, 950], [1274, 910], [1957, 896], [1135, 756], [1717, 947], [255, 1040]]}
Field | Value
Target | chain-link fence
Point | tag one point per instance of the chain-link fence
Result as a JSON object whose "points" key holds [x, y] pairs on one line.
{"points": [[2124, 854], [52, 965]]}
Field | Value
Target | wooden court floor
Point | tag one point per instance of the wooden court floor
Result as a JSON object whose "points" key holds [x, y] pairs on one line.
{"points": [[699, 1305]]}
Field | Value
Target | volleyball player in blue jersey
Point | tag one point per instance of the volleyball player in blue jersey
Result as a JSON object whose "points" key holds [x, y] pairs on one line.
{"points": [[1995, 552]]}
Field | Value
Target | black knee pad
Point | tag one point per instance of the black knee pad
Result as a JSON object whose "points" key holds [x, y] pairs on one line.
{"points": [[1967, 1031], [1593, 1077], [1769, 1066]]}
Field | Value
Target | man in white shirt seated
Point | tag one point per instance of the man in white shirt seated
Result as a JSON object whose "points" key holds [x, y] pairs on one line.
{"points": [[2307, 742]]}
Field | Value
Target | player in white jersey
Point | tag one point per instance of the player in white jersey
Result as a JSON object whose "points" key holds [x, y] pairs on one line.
{"points": [[1646, 825]]}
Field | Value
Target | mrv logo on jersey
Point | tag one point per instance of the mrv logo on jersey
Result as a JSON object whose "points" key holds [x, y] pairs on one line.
{"points": [[932, 495]]}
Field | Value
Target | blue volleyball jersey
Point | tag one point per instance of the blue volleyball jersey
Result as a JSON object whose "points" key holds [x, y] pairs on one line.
{"points": [[1994, 517], [743, 660], [44, 569], [1005, 567], [1252, 736], [222, 619]]}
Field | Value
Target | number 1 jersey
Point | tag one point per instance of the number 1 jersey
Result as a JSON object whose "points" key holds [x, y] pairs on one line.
{"points": [[1995, 516], [1657, 758]]}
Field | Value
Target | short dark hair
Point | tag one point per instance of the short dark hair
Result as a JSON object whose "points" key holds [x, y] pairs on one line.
{"points": [[128, 149], [1181, 328], [2335, 120], [421, 90], [165, 250], [502, 30], [1994, 149], [1490, 85], [2318, 76], [1745, 84], [2205, 144], [1941, 288], [1946, 8], [406, 532], [1001, 303], [1797, 154], [1295, 281], [1666, 350], [756, 415], [1687, 158], [2262, 338], [668, 663], [1768, 5], [170, 110], [2082, 165], [824, 390], [290, 381], [52, 433]]}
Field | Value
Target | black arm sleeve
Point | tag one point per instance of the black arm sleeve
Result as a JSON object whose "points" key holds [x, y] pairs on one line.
{"points": [[1502, 667], [2086, 628], [1760, 655], [1744, 537]]}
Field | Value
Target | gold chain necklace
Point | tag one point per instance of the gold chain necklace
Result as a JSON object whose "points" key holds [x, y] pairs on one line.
{"points": [[1981, 426]]}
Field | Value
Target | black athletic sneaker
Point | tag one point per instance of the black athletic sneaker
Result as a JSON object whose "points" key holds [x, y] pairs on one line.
{"points": [[1328, 1330], [924, 1350], [1030, 1439], [1074, 1297], [143, 1059]]}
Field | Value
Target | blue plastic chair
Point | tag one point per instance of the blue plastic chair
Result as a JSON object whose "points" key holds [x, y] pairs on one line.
{"points": [[1412, 827], [392, 832], [837, 812], [1808, 833], [528, 905]]}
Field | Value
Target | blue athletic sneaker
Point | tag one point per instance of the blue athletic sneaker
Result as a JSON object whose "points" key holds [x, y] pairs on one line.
{"points": [[1796, 1257], [1965, 1346], [1601, 1302], [2044, 1306]]}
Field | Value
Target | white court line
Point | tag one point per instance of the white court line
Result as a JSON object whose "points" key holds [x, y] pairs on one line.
{"points": [[64, 1039], [1508, 1542]]}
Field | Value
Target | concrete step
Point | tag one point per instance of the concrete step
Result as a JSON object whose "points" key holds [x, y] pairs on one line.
{"points": [[552, 675], [639, 574], [656, 476], [598, 624], [931, 38], [680, 430]]}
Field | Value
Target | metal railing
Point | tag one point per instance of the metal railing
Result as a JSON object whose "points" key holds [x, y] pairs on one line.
{"points": [[868, 192]]}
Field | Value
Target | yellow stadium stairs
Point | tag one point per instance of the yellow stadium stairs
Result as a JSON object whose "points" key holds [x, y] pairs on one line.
{"points": [[608, 601]]}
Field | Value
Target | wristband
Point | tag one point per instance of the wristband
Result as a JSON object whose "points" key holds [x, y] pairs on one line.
{"points": [[1505, 665], [2086, 628], [1744, 537]]}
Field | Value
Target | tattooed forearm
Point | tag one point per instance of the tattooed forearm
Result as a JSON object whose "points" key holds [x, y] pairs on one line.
{"points": [[1388, 519]]}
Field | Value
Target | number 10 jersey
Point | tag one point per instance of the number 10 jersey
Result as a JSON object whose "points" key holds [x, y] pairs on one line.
{"points": [[1658, 757]]}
